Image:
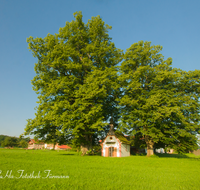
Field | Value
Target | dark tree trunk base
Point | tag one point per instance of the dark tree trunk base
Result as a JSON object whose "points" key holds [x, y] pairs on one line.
{"points": [[150, 144]]}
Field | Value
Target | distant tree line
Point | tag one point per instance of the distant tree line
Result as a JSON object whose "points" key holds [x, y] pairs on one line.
{"points": [[8, 141]]}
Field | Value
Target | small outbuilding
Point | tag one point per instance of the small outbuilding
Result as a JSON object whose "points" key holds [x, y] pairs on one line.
{"points": [[32, 144], [115, 144]]}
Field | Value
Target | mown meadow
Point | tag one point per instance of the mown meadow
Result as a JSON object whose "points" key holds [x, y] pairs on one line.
{"points": [[96, 172]]}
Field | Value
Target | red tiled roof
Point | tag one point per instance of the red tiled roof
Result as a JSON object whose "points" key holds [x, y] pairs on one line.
{"points": [[33, 141], [64, 147]]}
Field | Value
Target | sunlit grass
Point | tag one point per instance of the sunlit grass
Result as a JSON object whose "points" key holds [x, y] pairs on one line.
{"points": [[96, 172]]}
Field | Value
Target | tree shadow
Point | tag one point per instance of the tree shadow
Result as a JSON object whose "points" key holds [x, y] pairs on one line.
{"points": [[138, 154], [165, 155], [67, 154]]}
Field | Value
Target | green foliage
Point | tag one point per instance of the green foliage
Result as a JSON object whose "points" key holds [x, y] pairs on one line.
{"points": [[121, 137], [2, 137], [96, 148], [79, 89], [7, 141], [75, 75], [157, 101], [10, 142], [23, 144], [90, 152], [138, 141]]}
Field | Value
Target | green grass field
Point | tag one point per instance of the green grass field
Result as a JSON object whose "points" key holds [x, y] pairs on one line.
{"points": [[96, 172]]}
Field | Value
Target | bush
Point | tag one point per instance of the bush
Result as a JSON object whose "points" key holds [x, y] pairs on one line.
{"points": [[96, 148], [90, 152]]}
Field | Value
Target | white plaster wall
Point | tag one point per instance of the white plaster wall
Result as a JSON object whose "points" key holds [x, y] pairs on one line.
{"points": [[160, 150], [125, 150], [116, 145]]}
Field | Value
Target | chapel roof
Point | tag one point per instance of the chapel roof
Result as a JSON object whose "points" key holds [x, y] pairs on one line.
{"points": [[121, 137]]}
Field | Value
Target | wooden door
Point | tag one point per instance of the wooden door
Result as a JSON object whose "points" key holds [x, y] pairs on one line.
{"points": [[111, 152]]}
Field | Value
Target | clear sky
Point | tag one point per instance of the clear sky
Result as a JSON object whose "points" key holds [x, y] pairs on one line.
{"points": [[174, 24]]}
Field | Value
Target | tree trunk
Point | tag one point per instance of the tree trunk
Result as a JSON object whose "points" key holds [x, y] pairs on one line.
{"points": [[150, 144], [54, 144], [86, 146]]}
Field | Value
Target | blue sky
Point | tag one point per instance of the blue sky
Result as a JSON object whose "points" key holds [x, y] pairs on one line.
{"points": [[174, 24]]}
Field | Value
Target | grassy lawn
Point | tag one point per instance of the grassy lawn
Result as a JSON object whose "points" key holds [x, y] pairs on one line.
{"points": [[96, 172]]}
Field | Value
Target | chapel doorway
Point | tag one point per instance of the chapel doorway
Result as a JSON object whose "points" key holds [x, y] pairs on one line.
{"points": [[111, 151]]}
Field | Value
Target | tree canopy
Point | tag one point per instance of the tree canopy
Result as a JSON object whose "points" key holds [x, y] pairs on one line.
{"points": [[7, 141], [75, 74], [158, 102], [80, 86]]}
